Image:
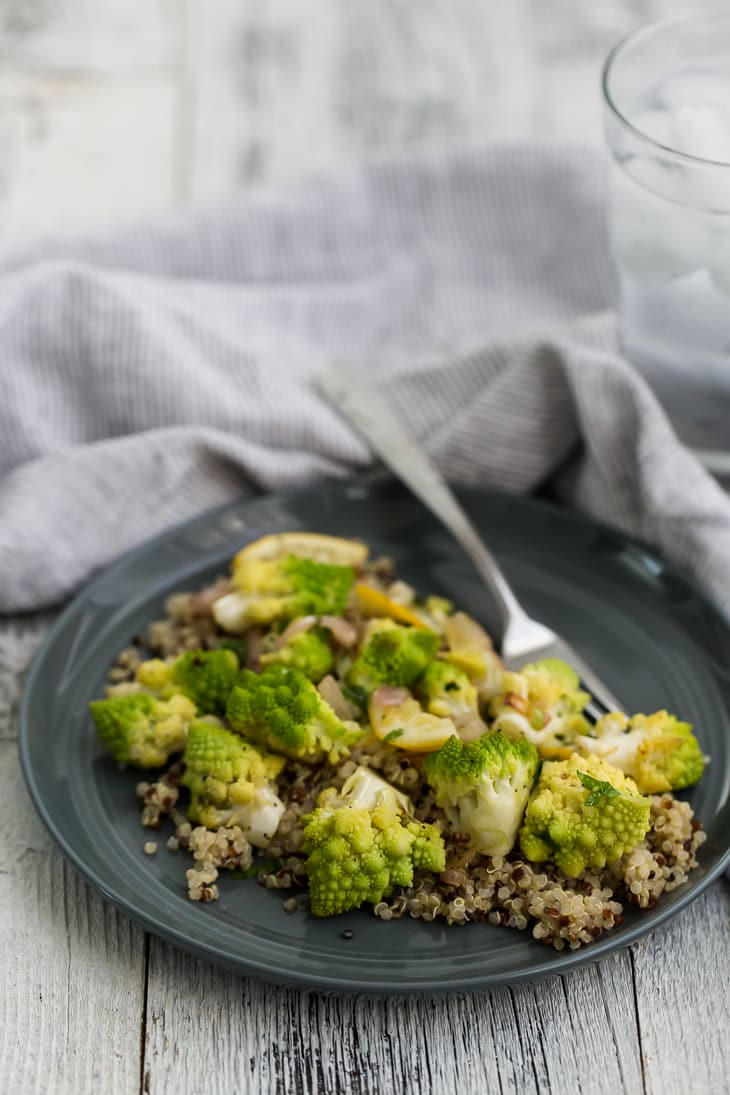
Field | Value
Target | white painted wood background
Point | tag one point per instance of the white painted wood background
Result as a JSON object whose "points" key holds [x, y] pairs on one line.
{"points": [[114, 108]]}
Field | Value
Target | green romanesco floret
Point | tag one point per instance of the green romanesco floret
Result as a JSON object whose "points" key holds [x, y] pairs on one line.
{"points": [[542, 704], [230, 783], [361, 841], [310, 652], [204, 676], [392, 654], [657, 751], [447, 691], [141, 729], [280, 589], [483, 787], [583, 813], [283, 710]]}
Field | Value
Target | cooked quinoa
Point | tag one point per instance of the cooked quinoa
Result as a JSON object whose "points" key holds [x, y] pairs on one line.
{"points": [[474, 887]]}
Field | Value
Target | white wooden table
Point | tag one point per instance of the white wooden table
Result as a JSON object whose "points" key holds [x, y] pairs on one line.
{"points": [[114, 108]]}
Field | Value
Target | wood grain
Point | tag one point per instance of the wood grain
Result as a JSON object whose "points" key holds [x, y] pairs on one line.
{"points": [[117, 108], [573, 1034], [683, 999], [72, 969]]}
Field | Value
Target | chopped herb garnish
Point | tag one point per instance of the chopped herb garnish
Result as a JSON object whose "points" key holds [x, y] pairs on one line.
{"points": [[356, 695], [393, 735], [599, 788]]}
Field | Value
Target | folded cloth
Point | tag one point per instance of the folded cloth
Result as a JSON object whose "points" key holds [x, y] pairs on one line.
{"points": [[148, 374]]}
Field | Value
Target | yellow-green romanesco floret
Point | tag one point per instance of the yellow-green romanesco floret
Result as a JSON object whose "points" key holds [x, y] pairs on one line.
{"points": [[361, 841], [657, 751], [280, 589], [483, 787], [583, 813], [542, 704], [391, 654], [204, 676], [142, 730], [230, 782], [283, 710], [310, 652]]}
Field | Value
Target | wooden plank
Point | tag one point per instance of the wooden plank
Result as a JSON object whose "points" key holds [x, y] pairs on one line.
{"points": [[107, 146], [573, 1034], [282, 89], [683, 997], [71, 968], [88, 36]]}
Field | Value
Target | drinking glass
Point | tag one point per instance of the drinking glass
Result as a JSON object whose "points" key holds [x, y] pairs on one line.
{"points": [[666, 91]]}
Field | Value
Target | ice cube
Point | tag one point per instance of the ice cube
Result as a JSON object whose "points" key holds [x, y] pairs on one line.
{"points": [[702, 129], [693, 85], [656, 124], [654, 238]]}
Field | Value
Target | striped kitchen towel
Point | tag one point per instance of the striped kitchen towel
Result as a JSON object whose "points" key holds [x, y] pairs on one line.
{"points": [[148, 374]]}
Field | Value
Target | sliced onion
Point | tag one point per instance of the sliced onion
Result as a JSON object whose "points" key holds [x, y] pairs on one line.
{"points": [[254, 646], [296, 627], [202, 602], [330, 691], [388, 696], [342, 630]]}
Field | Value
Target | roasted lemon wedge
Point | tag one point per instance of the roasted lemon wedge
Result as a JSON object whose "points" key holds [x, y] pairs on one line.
{"points": [[305, 545], [372, 602]]}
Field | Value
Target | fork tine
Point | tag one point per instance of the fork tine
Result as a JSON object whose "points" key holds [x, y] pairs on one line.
{"points": [[594, 710], [601, 695]]}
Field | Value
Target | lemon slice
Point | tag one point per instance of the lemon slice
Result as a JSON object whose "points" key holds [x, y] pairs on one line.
{"points": [[372, 602], [307, 545], [407, 726]]}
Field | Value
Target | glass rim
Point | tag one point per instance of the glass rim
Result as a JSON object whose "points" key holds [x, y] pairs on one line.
{"points": [[614, 55]]}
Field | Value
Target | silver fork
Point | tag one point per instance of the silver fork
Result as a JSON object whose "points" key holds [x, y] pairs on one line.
{"points": [[523, 639]]}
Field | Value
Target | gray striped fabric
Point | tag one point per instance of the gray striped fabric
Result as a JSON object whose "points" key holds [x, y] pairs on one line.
{"points": [[149, 374]]}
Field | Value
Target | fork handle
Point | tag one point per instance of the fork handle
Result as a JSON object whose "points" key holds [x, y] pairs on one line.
{"points": [[366, 409]]}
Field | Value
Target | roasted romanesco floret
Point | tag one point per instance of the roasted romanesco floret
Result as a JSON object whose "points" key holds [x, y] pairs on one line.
{"points": [[391, 654], [310, 652], [657, 751], [542, 704], [283, 710], [205, 676], [583, 813], [483, 787], [142, 730], [280, 589], [447, 691], [361, 842], [230, 783]]}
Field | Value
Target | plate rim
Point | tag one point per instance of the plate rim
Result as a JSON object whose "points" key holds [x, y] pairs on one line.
{"points": [[554, 963]]}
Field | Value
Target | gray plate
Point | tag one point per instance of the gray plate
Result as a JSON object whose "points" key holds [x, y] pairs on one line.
{"points": [[649, 631]]}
